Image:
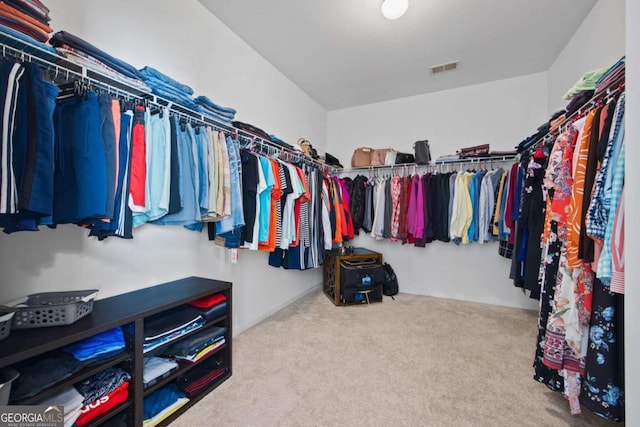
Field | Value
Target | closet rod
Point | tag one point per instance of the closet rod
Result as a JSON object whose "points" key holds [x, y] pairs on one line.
{"points": [[612, 89], [436, 165], [71, 71]]}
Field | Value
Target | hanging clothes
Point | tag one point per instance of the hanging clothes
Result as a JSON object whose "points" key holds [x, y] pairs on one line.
{"points": [[580, 324]]}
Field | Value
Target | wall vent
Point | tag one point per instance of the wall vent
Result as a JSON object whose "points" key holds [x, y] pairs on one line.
{"points": [[444, 67]]}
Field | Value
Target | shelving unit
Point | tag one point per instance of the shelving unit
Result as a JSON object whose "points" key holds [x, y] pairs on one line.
{"points": [[122, 310], [435, 166]]}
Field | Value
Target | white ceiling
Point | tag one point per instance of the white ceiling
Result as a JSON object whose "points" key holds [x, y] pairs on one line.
{"points": [[344, 53]]}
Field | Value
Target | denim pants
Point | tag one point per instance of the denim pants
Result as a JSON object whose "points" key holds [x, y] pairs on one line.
{"points": [[205, 102], [158, 87], [151, 73], [190, 213], [236, 220]]}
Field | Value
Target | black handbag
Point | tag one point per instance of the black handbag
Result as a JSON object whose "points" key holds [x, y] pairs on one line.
{"points": [[403, 158], [423, 152]]}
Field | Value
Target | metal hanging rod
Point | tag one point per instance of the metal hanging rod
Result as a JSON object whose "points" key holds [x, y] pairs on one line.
{"points": [[616, 86], [62, 67], [433, 166]]}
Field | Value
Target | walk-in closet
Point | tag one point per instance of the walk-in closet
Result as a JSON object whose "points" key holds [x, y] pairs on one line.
{"points": [[364, 213]]}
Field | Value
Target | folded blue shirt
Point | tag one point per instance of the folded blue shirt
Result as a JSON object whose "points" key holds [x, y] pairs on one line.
{"points": [[160, 399], [98, 346], [223, 111]]}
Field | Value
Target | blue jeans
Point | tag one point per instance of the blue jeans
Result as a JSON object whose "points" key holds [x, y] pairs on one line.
{"points": [[190, 213], [164, 90], [236, 219], [210, 105], [151, 73], [217, 117]]}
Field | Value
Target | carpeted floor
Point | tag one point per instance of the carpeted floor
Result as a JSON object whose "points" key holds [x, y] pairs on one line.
{"points": [[415, 361]]}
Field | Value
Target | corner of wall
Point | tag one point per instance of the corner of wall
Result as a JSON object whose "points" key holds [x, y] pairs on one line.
{"points": [[246, 324], [588, 49]]}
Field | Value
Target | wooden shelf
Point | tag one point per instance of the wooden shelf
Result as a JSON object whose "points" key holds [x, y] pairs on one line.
{"points": [[128, 309], [107, 313], [112, 413], [195, 331], [195, 399], [182, 369], [75, 378]]}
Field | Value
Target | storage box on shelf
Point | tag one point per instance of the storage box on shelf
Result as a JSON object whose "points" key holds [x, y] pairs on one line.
{"points": [[348, 292], [5, 324], [53, 308], [128, 309]]}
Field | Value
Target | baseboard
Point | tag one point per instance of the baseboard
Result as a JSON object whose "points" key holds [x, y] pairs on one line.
{"points": [[237, 330]]}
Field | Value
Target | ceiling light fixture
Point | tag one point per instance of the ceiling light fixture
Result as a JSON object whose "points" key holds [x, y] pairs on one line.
{"points": [[394, 9]]}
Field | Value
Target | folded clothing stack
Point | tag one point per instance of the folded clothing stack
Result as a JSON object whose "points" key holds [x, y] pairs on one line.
{"points": [[578, 101], [37, 375], [613, 74], [222, 114], [198, 345], [166, 87], [81, 58], [103, 405], [156, 369], [448, 158], [102, 383], [201, 376], [211, 306], [30, 18], [497, 153], [98, 347], [587, 82], [71, 400], [474, 151], [80, 46], [160, 404], [169, 325]]}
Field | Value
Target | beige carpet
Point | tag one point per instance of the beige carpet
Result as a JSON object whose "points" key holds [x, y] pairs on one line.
{"points": [[415, 361]]}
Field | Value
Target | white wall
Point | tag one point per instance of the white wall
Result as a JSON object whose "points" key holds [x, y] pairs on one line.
{"points": [[184, 40], [500, 113], [598, 43], [632, 226]]}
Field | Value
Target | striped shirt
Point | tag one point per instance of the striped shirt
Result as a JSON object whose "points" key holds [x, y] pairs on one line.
{"points": [[617, 185], [598, 209]]}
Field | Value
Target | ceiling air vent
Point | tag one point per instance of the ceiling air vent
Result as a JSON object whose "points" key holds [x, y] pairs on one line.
{"points": [[444, 67]]}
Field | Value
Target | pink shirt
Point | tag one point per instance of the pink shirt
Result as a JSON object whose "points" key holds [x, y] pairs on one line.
{"points": [[617, 249], [411, 213]]}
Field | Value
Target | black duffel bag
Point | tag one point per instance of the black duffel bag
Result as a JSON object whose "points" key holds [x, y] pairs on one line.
{"points": [[404, 158]]}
